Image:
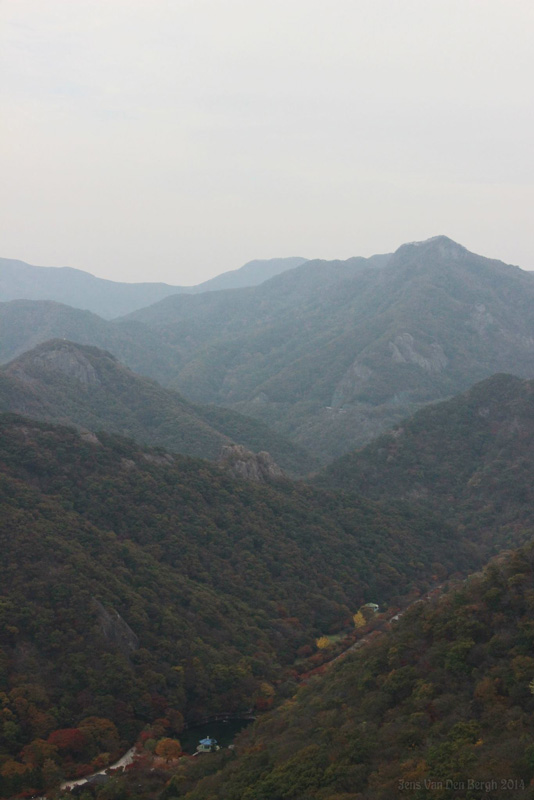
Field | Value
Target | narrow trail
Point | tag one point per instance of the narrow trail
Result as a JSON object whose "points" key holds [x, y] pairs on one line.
{"points": [[126, 759]]}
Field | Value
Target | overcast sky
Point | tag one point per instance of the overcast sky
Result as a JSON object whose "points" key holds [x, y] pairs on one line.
{"points": [[176, 139]]}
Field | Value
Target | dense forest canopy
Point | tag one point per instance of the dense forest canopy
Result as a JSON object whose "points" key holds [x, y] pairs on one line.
{"points": [[469, 459], [144, 589], [440, 706], [138, 583]]}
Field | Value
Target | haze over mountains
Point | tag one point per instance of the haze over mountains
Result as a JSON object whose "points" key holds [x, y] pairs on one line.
{"points": [[202, 591], [109, 299], [69, 383], [333, 353], [328, 353]]}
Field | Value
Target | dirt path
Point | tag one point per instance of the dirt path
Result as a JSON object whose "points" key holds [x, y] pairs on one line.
{"points": [[126, 759]]}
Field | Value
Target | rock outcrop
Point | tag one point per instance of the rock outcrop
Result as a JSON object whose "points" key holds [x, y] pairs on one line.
{"points": [[403, 352], [242, 463], [115, 630], [60, 358]]}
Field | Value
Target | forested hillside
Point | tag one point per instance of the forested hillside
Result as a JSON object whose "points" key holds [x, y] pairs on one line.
{"points": [[137, 584], [440, 706], [329, 354], [332, 353], [470, 459], [25, 324], [68, 383], [143, 587]]}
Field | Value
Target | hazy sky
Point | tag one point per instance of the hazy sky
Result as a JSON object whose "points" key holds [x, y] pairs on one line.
{"points": [[176, 139]]}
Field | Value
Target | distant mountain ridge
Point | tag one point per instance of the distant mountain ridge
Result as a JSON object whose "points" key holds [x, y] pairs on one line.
{"points": [[68, 383], [253, 273], [26, 323], [329, 353], [109, 299], [332, 353]]}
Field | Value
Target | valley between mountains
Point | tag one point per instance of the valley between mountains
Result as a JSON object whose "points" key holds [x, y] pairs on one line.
{"points": [[202, 499]]}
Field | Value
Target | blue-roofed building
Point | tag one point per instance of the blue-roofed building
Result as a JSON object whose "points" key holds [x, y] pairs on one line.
{"points": [[207, 745]]}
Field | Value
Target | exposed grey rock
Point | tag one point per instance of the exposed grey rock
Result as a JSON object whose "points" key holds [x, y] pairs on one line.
{"points": [[115, 630], [261, 398], [480, 319], [403, 351], [162, 461], [87, 436], [242, 463], [65, 359]]}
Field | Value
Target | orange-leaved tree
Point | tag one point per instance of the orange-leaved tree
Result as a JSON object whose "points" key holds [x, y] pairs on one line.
{"points": [[168, 749]]}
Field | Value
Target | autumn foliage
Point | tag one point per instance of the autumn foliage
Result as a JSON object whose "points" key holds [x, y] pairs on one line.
{"points": [[68, 740]]}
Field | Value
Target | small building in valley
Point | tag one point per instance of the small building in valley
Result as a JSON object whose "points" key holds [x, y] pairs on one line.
{"points": [[207, 745]]}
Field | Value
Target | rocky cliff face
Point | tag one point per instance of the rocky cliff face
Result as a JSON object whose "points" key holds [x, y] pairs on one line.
{"points": [[114, 629], [242, 463], [403, 351]]}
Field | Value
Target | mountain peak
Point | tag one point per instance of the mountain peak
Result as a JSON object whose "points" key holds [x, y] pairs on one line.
{"points": [[441, 245], [61, 357]]}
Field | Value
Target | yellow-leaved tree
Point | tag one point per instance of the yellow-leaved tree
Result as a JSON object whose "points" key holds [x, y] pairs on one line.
{"points": [[359, 620]]}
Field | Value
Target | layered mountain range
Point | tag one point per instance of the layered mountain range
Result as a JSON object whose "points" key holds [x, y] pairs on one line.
{"points": [[158, 562], [81, 385], [109, 299], [333, 353], [327, 353], [141, 586]]}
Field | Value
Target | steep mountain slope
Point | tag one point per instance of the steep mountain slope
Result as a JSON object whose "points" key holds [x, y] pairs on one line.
{"points": [[136, 585], [328, 353], [441, 706], [69, 383], [334, 352], [26, 323], [108, 299], [471, 459]]}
